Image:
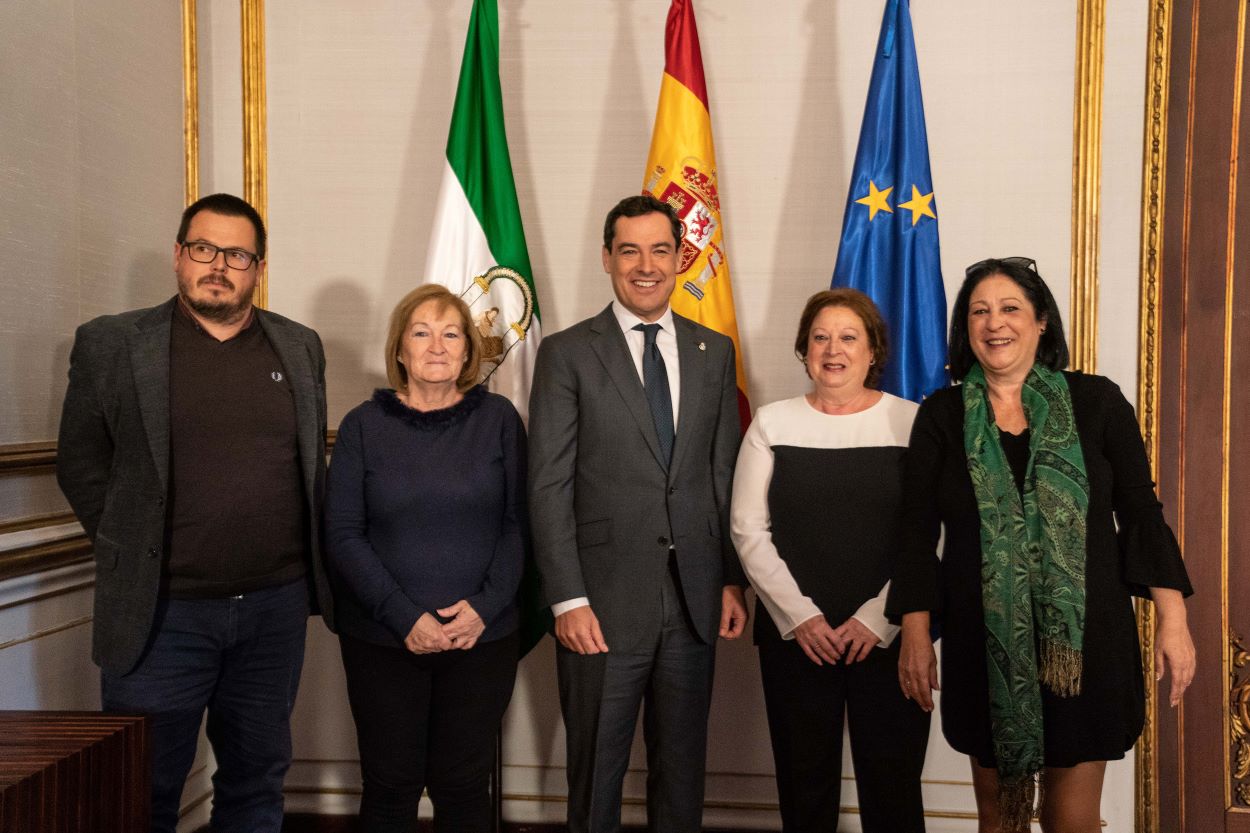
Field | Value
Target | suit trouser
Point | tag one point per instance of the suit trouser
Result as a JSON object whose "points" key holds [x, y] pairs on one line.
{"points": [[240, 658], [600, 696], [806, 704]]}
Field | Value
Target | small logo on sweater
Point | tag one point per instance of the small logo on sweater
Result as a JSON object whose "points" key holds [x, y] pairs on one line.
{"points": [[276, 375]]}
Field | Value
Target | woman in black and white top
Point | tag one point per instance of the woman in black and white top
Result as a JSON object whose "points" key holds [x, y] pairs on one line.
{"points": [[816, 503]]}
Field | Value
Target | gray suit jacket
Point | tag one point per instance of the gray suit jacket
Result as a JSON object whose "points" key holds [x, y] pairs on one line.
{"points": [[603, 509], [113, 460]]}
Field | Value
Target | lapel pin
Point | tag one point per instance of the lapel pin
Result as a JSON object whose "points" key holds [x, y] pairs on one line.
{"points": [[702, 346]]}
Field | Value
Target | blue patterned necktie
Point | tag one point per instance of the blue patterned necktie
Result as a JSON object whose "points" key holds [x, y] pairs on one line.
{"points": [[655, 382]]}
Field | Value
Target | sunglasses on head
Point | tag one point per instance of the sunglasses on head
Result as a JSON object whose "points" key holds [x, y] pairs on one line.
{"points": [[1027, 262]]}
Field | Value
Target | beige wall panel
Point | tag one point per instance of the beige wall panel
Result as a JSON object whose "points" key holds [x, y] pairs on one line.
{"points": [[90, 187], [1124, 100], [221, 96], [39, 292], [1124, 90]]}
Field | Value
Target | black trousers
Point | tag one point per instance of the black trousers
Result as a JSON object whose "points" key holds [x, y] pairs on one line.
{"points": [[806, 706], [427, 722]]}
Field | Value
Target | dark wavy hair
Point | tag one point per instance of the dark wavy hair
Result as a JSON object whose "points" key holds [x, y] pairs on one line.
{"points": [[858, 303], [636, 206], [1052, 347]]}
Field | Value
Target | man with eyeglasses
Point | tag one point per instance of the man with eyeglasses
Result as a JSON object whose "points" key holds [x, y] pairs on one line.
{"points": [[192, 449]]}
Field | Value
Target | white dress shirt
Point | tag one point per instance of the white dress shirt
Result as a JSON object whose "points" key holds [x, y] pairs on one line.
{"points": [[636, 340]]}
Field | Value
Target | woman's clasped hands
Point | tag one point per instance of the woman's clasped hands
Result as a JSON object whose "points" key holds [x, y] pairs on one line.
{"points": [[429, 635], [851, 640]]}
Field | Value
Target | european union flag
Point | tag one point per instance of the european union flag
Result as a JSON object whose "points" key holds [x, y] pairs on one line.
{"points": [[889, 246]]}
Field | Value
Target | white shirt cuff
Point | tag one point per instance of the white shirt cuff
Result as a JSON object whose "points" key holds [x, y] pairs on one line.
{"points": [[790, 633], [871, 614], [560, 608]]}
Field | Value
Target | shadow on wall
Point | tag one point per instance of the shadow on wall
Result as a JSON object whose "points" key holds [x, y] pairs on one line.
{"points": [[534, 717], [538, 703], [814, 193], [535, 714], [423, 164], [322, 730], [621, 157], [511, 60], [148, 281], [321, 725], [624, 141], [353, 355], [57, 378]]}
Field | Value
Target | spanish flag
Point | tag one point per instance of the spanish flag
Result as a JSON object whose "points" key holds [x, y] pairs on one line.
{"points": [[681, 171]]}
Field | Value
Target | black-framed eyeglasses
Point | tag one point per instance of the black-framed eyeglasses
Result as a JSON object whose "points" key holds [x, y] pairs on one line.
{"points": [[202, 252], [1027, 262]]}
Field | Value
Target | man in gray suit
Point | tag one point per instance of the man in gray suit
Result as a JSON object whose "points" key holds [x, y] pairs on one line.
{"points": [[192, 449], [634, 432]]}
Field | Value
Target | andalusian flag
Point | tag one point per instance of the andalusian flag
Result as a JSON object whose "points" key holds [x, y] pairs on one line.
{"points": [[477, 244], [681, 170]]}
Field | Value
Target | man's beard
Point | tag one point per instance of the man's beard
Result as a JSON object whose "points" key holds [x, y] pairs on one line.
{"points": [[220, 311]]}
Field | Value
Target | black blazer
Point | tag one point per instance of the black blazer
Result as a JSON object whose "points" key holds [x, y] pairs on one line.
{"points": [[113, 461], [1129, 548]]}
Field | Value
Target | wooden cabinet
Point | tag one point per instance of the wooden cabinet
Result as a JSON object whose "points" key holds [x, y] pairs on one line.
{"points": [[73, 772]]}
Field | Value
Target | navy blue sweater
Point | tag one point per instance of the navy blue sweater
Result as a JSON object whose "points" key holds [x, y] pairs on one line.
{"points": [[424, 509]]}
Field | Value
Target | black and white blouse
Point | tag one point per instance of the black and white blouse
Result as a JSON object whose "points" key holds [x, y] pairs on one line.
{"points": [[815, 513]]}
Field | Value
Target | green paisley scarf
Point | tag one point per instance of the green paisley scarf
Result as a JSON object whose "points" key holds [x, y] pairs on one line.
{"points": [[1032, 572]]}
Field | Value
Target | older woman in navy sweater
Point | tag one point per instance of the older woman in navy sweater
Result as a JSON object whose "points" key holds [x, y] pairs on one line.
{"points": [[425, 520]]}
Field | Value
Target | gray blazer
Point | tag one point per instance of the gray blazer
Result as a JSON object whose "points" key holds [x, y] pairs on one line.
{"points": [[113, 460], [603, 509]]}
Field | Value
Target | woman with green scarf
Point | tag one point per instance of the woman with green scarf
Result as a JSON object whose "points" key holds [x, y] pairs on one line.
{"points": [[1030, 469]]}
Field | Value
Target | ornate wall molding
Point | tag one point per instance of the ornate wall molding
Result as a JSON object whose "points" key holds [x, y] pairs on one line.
{"points": [[1086, 182], [27, 458], [44, 542], [1236, 770], [1239, 722], [190, 103], [36, 522], [255, 175], [1158, 56], [37, 458]]}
